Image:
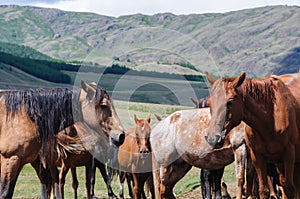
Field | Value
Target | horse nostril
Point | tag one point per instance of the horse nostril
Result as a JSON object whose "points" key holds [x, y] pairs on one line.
{"points": [[218, 139], [121, 138], [206, 138]]}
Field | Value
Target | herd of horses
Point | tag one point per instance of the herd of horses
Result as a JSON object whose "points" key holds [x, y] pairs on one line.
{"points": [[252, 122]]}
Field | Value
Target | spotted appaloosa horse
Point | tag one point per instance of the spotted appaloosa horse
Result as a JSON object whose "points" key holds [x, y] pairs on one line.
{"points": [[271, 108], [178, 144], [211, 180], [31, 118], [134, 156]]}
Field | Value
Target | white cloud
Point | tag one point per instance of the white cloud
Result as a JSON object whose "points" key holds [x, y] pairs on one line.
{"points": [[126, 7]]}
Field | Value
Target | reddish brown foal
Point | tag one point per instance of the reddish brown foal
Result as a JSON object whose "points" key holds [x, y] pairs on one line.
{"points": [[135, 155]]}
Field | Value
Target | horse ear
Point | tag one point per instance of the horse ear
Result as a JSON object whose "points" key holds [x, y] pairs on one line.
{"points": [[210, 79], [149, 119], [88, 89], [239, 80], [196, 102], [157, 117], [135, 118]]}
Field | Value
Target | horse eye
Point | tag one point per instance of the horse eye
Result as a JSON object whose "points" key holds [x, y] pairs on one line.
{"points": [[229, 104]]}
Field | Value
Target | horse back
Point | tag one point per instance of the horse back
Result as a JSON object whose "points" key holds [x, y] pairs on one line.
{"points": [[293, 83]]}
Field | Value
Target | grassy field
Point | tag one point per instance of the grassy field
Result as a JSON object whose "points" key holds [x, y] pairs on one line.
{"points": [[28, 184]]}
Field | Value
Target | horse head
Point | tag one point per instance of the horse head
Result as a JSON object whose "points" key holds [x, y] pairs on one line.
{"points": [[201, 103], [226, 108], [142, 133], [99, 113]]}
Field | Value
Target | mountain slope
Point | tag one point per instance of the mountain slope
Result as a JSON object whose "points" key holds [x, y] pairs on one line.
{"points": [[258, 41]]}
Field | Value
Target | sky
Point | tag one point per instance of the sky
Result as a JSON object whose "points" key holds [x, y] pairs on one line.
{"points": [[127, 7]]}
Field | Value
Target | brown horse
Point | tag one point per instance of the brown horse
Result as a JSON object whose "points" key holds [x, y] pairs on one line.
{"points": [[178, 144], [75, 147], [32, 118], [271, 109], [134, 156]]}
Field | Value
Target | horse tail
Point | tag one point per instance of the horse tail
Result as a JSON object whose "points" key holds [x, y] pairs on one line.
{"points": [[67, 144], [156, 177]]}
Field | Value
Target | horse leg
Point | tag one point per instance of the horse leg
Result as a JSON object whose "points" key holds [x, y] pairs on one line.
{"points": [[297, 179], [93, 178], [106, 179], [217, 177], [122, 177], [151, 186], [88, 174], [250, 175], [288, 182], [261, 170], [74, 181], [130, 183], [170, 175], [206, 179], [271, 180], [224, 189], [240, 156], [286, 173], [45, 178], [10, 170], [62, 178], [55, 179], [136, 186], [142, 180]]}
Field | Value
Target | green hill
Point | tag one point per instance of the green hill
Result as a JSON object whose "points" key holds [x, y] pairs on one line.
{"points": [[23, 51], [138, 86], [258, 41]]}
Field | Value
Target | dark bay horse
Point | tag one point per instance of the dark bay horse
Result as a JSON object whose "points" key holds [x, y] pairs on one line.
{"points": [[134, 156], [271, 108], [31, 118], [178, 144], [75, 147]]}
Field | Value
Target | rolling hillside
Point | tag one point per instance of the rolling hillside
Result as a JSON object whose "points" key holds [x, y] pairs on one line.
{"points": [[33, 69], [258, 41]]}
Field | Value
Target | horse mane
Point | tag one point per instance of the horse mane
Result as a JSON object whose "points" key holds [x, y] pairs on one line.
{"points": [[51, 110], [261, 90]]}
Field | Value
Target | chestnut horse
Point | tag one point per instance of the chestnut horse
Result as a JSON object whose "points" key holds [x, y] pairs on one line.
{"points": [[134, 156], [75, 147], [178, 144], [271, 108], [31, 118]]}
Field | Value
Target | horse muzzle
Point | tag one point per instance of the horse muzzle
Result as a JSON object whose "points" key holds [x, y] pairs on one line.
{"points": [[215, 141], [117, 137], [144, 154]]}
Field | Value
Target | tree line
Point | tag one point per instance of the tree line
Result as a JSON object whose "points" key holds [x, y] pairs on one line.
{"points": [[51, 70]]}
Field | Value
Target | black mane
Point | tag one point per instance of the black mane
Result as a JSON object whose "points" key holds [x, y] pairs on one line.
{"points": [[50, 109]]}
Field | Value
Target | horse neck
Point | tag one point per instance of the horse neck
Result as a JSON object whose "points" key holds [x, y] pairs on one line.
{"points": [[257, 114]]}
